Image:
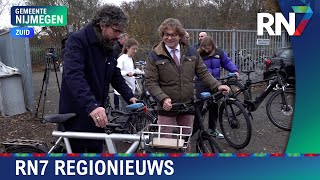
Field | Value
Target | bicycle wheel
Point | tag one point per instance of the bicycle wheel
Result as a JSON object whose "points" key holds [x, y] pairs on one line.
{"points": [[207, 144], [136, 125], [23, 149], [280, 108], [236, 128], [151, 103]]}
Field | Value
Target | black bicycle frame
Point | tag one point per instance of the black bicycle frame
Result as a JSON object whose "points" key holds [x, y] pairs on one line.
{"points": [[200, 111], [258, 100], [253, 105], [198, 123]]}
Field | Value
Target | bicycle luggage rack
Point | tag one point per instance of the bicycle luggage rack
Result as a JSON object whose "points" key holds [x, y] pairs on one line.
{"points": [[175, 140]]}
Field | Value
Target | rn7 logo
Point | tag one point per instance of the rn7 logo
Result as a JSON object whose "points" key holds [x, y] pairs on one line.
{"points": [[279, 20]]}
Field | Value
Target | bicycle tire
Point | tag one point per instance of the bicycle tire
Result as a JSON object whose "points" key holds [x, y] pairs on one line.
{"points": [[280, 117], [140, 123], [238, 132], [150, 103], [152, 116], [23, 149], [207, 144]]}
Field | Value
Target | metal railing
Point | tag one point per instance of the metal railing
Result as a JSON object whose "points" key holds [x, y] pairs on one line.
{"points": [[240, 45]]}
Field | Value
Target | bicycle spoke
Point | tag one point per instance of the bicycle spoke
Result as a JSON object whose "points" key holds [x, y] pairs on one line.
{"points": [[207, 145], [280, 108], [235, 127]]}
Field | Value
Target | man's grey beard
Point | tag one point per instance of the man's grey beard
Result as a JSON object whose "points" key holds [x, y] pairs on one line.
{"points": [[107, 45]]}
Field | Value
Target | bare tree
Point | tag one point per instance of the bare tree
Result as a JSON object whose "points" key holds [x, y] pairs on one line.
{"points": [[146, 15], [79, 13], [3, 5]]}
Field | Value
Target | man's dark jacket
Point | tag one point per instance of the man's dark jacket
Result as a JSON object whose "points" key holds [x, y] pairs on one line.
{"points": [[117, 49], [88, 70]]}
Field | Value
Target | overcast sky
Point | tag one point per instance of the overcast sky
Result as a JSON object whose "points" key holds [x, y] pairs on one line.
{"points": [[5, 16]]}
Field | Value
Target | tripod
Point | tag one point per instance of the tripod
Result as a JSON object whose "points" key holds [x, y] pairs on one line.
{"points": [[50, 59]]}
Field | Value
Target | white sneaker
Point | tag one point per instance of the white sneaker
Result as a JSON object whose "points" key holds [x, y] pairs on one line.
{"points": [[216, 134]]}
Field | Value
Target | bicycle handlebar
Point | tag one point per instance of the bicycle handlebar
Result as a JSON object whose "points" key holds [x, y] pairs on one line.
{"points": [[205, 97], [137, 75]]}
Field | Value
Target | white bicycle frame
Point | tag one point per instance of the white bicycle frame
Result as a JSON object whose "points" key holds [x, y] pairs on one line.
{"points": [[141, 139], [109, 138]]}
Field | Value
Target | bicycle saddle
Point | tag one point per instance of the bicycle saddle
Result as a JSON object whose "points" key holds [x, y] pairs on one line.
{"points": [[133, 107], [58, 118]]}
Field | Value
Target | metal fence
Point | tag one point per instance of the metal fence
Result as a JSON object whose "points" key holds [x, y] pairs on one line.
{"points": [[38, 54], [241, 46]]}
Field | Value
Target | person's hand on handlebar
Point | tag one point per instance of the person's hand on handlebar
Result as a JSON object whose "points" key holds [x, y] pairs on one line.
{"points": [[237, 74], [130, 74], [224, 89], [99, 117], [167, 104], [133, 100]]}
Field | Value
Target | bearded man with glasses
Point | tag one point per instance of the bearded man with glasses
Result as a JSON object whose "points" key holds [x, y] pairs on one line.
{"points": [[89, 68]]}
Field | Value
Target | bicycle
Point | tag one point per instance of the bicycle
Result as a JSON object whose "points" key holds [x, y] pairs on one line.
{"points": [[227, 118], [235, 126], [283, 97], [135, 119], [205, 142], [146, 96], [113, 132]]}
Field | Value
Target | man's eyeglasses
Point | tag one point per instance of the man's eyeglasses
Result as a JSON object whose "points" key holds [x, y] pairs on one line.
{"points": [[117, 30], [167, 35]]}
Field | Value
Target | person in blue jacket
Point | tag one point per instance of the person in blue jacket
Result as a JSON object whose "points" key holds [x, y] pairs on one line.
{"points": [[213, 58], [89, 68]]}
